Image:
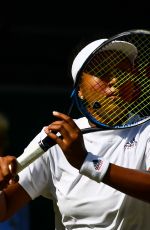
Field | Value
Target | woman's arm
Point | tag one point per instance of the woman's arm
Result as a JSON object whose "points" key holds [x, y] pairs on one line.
{"points": [[12, 195], [129, 181], [132, 182], [11, 200]]}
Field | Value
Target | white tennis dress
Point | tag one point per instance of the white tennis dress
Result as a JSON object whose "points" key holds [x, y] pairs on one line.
{"points": [[81, 203]]}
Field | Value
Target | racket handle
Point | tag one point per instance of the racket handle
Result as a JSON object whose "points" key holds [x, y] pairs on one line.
{"points": [[34, 152]]}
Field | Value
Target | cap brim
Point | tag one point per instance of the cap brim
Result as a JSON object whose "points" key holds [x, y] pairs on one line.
{"points": [[129, 50], [125, 47], [83, 55]]}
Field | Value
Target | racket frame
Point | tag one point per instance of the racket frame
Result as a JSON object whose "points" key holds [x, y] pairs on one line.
{"points": [[76, 98]]}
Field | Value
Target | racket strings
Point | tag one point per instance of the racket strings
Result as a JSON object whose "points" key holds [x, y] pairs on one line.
{"points": [[139, 77], [131, 107], [91, 100], [100, 65], [91, 97], [111, 59], [96, 66], [114, 114]]}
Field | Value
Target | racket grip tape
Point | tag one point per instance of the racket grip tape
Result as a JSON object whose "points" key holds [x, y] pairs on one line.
{"points": [[94, 167], [31, 153]]}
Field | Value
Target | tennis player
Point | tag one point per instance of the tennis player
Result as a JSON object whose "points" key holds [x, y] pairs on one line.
{"points": [[97, 181]]}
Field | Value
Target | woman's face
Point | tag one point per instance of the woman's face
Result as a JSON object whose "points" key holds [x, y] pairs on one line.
{"points": [[108, 97]]}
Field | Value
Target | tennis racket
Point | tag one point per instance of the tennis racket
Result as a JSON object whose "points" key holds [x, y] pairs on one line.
{"points": [[112, 87]]}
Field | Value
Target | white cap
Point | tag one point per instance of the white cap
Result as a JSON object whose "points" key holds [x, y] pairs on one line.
{"points": [[127, 48]]}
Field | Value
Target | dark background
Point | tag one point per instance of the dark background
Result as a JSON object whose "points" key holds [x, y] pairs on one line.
{"points": [[37, 44]]}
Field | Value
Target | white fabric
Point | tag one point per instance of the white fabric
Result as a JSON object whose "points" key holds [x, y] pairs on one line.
{"points": [[81, 203]]}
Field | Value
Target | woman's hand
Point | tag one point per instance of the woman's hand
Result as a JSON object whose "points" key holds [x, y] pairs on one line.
{"points": [[71, 141], [7, 171]]}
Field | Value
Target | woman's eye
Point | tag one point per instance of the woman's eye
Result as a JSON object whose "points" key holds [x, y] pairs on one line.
{"points": [[107, 77]]}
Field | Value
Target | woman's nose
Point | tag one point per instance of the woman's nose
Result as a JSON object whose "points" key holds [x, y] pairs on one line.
{"points": [[111, 89]]}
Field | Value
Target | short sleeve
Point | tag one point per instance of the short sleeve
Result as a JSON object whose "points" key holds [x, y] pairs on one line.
{"points": [[147, 153], [35, 178]]}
